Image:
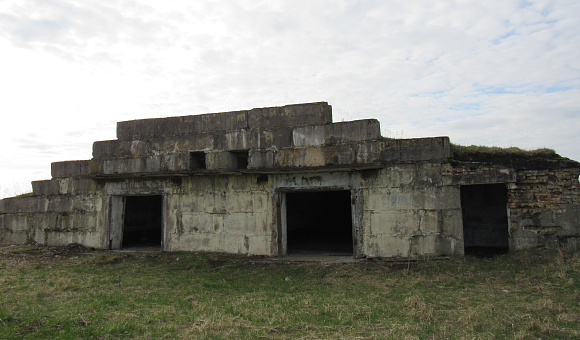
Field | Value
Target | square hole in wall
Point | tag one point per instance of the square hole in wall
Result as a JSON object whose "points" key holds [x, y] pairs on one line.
{"points": [[197, 160], [240, 159]]}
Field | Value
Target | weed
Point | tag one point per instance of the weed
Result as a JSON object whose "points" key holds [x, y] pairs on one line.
{"points": [[92, 294]]}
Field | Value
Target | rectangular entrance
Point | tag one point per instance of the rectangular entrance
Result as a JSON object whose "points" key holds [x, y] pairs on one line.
{"points": [[136, 221], [485, 220], [319, 223], [142, 222]]}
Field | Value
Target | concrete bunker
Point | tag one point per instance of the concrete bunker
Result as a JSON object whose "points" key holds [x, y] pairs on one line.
{"points": [[485, 219], [319, 222], [279, 180]]}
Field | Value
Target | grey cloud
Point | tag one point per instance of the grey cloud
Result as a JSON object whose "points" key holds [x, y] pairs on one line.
{"points": [[34, 145], [68, 28], [25, 29]]}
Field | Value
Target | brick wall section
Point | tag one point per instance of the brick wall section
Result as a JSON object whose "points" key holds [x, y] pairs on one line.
{"points": [[545, 202], [470, 174]]}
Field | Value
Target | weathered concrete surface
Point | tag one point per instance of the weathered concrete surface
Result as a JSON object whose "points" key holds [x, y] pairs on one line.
{"points": [[358, 130], [407, 216], [223, 180], [289, 115], [239, 214], [72, 169], [221, 213], [350, 154], [62, 211]]}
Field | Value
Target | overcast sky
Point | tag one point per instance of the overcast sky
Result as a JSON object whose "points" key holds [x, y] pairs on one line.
{"points": [[502, 73]]}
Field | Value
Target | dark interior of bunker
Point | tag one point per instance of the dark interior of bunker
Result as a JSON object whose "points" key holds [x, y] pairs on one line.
{"points": [[142, 223], [485, 221], [319, 223]]}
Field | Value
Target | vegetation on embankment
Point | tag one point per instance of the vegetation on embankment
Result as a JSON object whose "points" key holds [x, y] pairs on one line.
{"points": [[512, 156]]}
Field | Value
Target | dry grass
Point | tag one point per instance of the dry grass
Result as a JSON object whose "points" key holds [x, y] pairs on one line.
{"points": [[466, 152], [76, 293]]}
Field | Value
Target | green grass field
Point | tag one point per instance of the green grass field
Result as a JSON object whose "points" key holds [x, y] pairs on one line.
{"points": [[72, 293]]}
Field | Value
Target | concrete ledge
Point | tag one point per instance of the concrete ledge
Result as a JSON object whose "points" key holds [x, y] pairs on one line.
{"points": [[243, 139], [151, 164], [174, 126], [317, 156], [419, 149], [336, 133], [47, 187], [146, 128], [71, 169], [247, 139], [16, 205], [223, 121], [358, 130], [112, 149], [345, 154], [64, 186], [289, 115]]}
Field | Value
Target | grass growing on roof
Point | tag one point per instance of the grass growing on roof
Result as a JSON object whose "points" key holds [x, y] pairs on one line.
{"points": [[71, 293], [494, 152]]}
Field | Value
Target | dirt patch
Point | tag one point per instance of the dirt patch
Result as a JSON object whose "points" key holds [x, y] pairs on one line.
{"points": [[39, 252]]}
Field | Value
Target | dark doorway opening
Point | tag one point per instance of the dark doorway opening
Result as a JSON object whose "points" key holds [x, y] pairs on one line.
{"points": [[142, 222], [485, 220], [319, 223]]}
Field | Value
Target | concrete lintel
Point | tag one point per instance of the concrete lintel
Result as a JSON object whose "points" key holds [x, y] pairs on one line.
{"points": [[267, 171], [483, 175]]}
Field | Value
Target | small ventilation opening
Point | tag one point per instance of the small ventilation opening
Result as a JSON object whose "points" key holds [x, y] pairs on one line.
{"points": [[197, 160], [485, 220], [319, 223], [240, 159], [142, 222]]}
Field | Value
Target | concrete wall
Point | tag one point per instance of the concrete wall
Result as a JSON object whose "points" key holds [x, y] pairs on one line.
{"points": [[61, 212], [398, 212], [221, 213], [408, 212], [401, 210]]}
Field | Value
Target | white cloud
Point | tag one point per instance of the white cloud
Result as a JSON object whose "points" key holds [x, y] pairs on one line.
{"points": [[494, 72]]}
